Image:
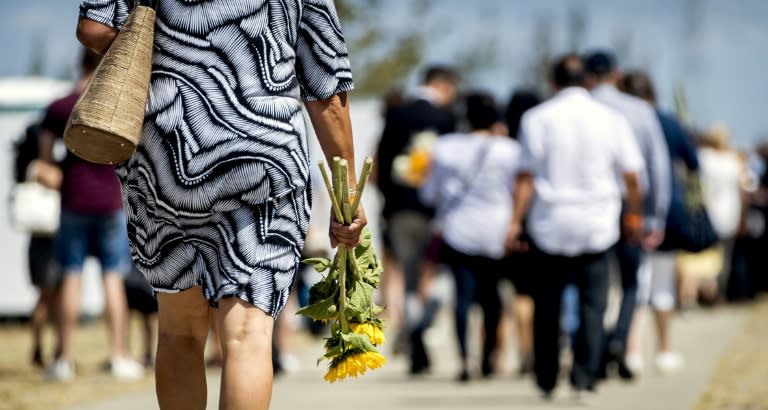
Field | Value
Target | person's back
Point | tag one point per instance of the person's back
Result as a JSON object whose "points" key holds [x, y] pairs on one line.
{"points": [[721, 174], [471, 182], [87, 188], [646, 129], [578, 145], [402, 124]]}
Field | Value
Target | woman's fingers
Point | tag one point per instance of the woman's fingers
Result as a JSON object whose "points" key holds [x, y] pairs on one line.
{"points": [[348, 235]]}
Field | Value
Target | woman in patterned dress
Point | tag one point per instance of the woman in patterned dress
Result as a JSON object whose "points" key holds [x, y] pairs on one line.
{"points": [[217, 193]]}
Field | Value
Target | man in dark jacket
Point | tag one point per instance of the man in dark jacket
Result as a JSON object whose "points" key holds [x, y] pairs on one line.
{"points": [[406, 218]]}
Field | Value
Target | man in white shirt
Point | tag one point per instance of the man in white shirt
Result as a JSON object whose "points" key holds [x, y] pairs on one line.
{"points": [[575, 155], [602, 78]]}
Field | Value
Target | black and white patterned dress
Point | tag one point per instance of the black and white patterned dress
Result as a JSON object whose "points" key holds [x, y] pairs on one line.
{"points": [[217, 194]]}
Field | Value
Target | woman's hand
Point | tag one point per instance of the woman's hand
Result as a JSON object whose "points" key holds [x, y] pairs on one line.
{"points": [[49, 175], [513, 240], [347, 235]]}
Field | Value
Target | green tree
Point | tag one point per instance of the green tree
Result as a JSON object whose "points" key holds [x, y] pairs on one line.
{"points": [[381, 61]]}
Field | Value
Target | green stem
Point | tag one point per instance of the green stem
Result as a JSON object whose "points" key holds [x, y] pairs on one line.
{"points": [[331, 194], [337, 185], [343, 289], [364, 174], [345, 204]]}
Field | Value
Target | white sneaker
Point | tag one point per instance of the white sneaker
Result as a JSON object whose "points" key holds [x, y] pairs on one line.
{"points": [[60, 371], [123, 368], [634, 362], [669, 362], [291, 363]]}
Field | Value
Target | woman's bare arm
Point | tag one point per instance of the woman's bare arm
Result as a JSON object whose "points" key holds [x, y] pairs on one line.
{"points": [[333, 127], [94, 35]]}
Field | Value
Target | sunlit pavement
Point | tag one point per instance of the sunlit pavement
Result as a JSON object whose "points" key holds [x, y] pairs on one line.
{"points": [[701, 336]]}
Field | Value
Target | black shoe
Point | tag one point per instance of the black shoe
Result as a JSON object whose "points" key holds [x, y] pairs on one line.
{"points": [[463, 376], [37, 358], [547, 395], [419, 358], [624, 371], [487, 369]]}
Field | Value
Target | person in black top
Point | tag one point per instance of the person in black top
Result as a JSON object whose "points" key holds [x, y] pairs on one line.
{"points": [[407, 231]]}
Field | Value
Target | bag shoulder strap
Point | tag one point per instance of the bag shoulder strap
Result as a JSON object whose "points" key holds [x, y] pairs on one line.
{"points": [[148, 3]]}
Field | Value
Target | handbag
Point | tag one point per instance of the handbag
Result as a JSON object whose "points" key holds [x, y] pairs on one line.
{"points": [[35, 209], [689, 227], [106, 122]]}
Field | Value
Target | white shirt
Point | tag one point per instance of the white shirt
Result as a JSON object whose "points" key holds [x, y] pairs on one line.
{"points": [[721, 173], [576, 149], [656, 180], [470, 182]]}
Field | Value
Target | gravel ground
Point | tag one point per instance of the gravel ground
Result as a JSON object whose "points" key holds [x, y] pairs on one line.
{"points": [[740, 379], [22, 387]]}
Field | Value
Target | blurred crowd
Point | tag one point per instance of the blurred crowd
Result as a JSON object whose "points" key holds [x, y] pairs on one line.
{"points": [[568, 197]]}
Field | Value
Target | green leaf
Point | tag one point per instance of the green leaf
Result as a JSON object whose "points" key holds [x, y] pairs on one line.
{"points": [[322, 310], [360, 299], [356, 341], [320, 264], [321, 290]]}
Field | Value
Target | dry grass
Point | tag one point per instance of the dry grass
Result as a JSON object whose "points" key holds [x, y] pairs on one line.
{"points": [[22, 387], [740, 380]]}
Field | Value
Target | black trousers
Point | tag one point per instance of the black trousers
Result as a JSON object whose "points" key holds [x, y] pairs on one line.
{"points": [[477, 281], [589, 272]]}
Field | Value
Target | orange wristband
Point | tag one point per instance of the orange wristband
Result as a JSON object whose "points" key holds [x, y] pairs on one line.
{"points": [[634, 221]]}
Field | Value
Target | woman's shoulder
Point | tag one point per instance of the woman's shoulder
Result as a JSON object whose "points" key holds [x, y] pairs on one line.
{"points": [[506, 145]]}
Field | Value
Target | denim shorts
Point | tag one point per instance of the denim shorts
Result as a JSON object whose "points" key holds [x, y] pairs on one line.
{"points": [[104, 236]]}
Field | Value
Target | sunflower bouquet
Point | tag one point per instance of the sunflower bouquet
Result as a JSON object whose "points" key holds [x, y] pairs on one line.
{"points": [[411, 167], [344, 296]]}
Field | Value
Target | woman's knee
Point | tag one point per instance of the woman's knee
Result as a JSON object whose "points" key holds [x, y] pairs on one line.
{"points": [[183, 316], [245, 329]]}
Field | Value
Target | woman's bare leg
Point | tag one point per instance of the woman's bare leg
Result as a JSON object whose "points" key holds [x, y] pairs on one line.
{"points": [[69, 313], [41, 314], [523, 313], [246, 341], [116, 306], [180, 365], [214, 347]]}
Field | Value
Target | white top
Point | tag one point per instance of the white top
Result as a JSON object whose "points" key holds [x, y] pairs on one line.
{"points": [[470, 182], [576, 150], [656, 181], [721, 173]]}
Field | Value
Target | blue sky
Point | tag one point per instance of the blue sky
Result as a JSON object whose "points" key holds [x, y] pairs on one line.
{"points": [[724, 67]]}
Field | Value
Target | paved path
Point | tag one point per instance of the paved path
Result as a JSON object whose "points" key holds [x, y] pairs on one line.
{"points": [[701, 336]]}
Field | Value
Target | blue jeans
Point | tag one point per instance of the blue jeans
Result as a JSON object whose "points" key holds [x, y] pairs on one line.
{"points": [[628, 257], [104, 236]]}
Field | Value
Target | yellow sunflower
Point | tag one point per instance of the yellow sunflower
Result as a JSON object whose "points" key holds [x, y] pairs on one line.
{"points": [[354, 365], [374, 332]]}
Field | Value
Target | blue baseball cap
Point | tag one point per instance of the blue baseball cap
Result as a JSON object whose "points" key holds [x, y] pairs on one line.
{"points": [[600, 62]]}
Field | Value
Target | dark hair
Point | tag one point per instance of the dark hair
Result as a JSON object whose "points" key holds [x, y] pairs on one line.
{"points": [[394, 98], [600, 63], [482, 111], [522, 100], [438, 72], [568, 71], [89, 61], [639, 84]]}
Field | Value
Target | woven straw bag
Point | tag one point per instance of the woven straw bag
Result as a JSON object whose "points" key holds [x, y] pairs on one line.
{"points": [[106, 123]]}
